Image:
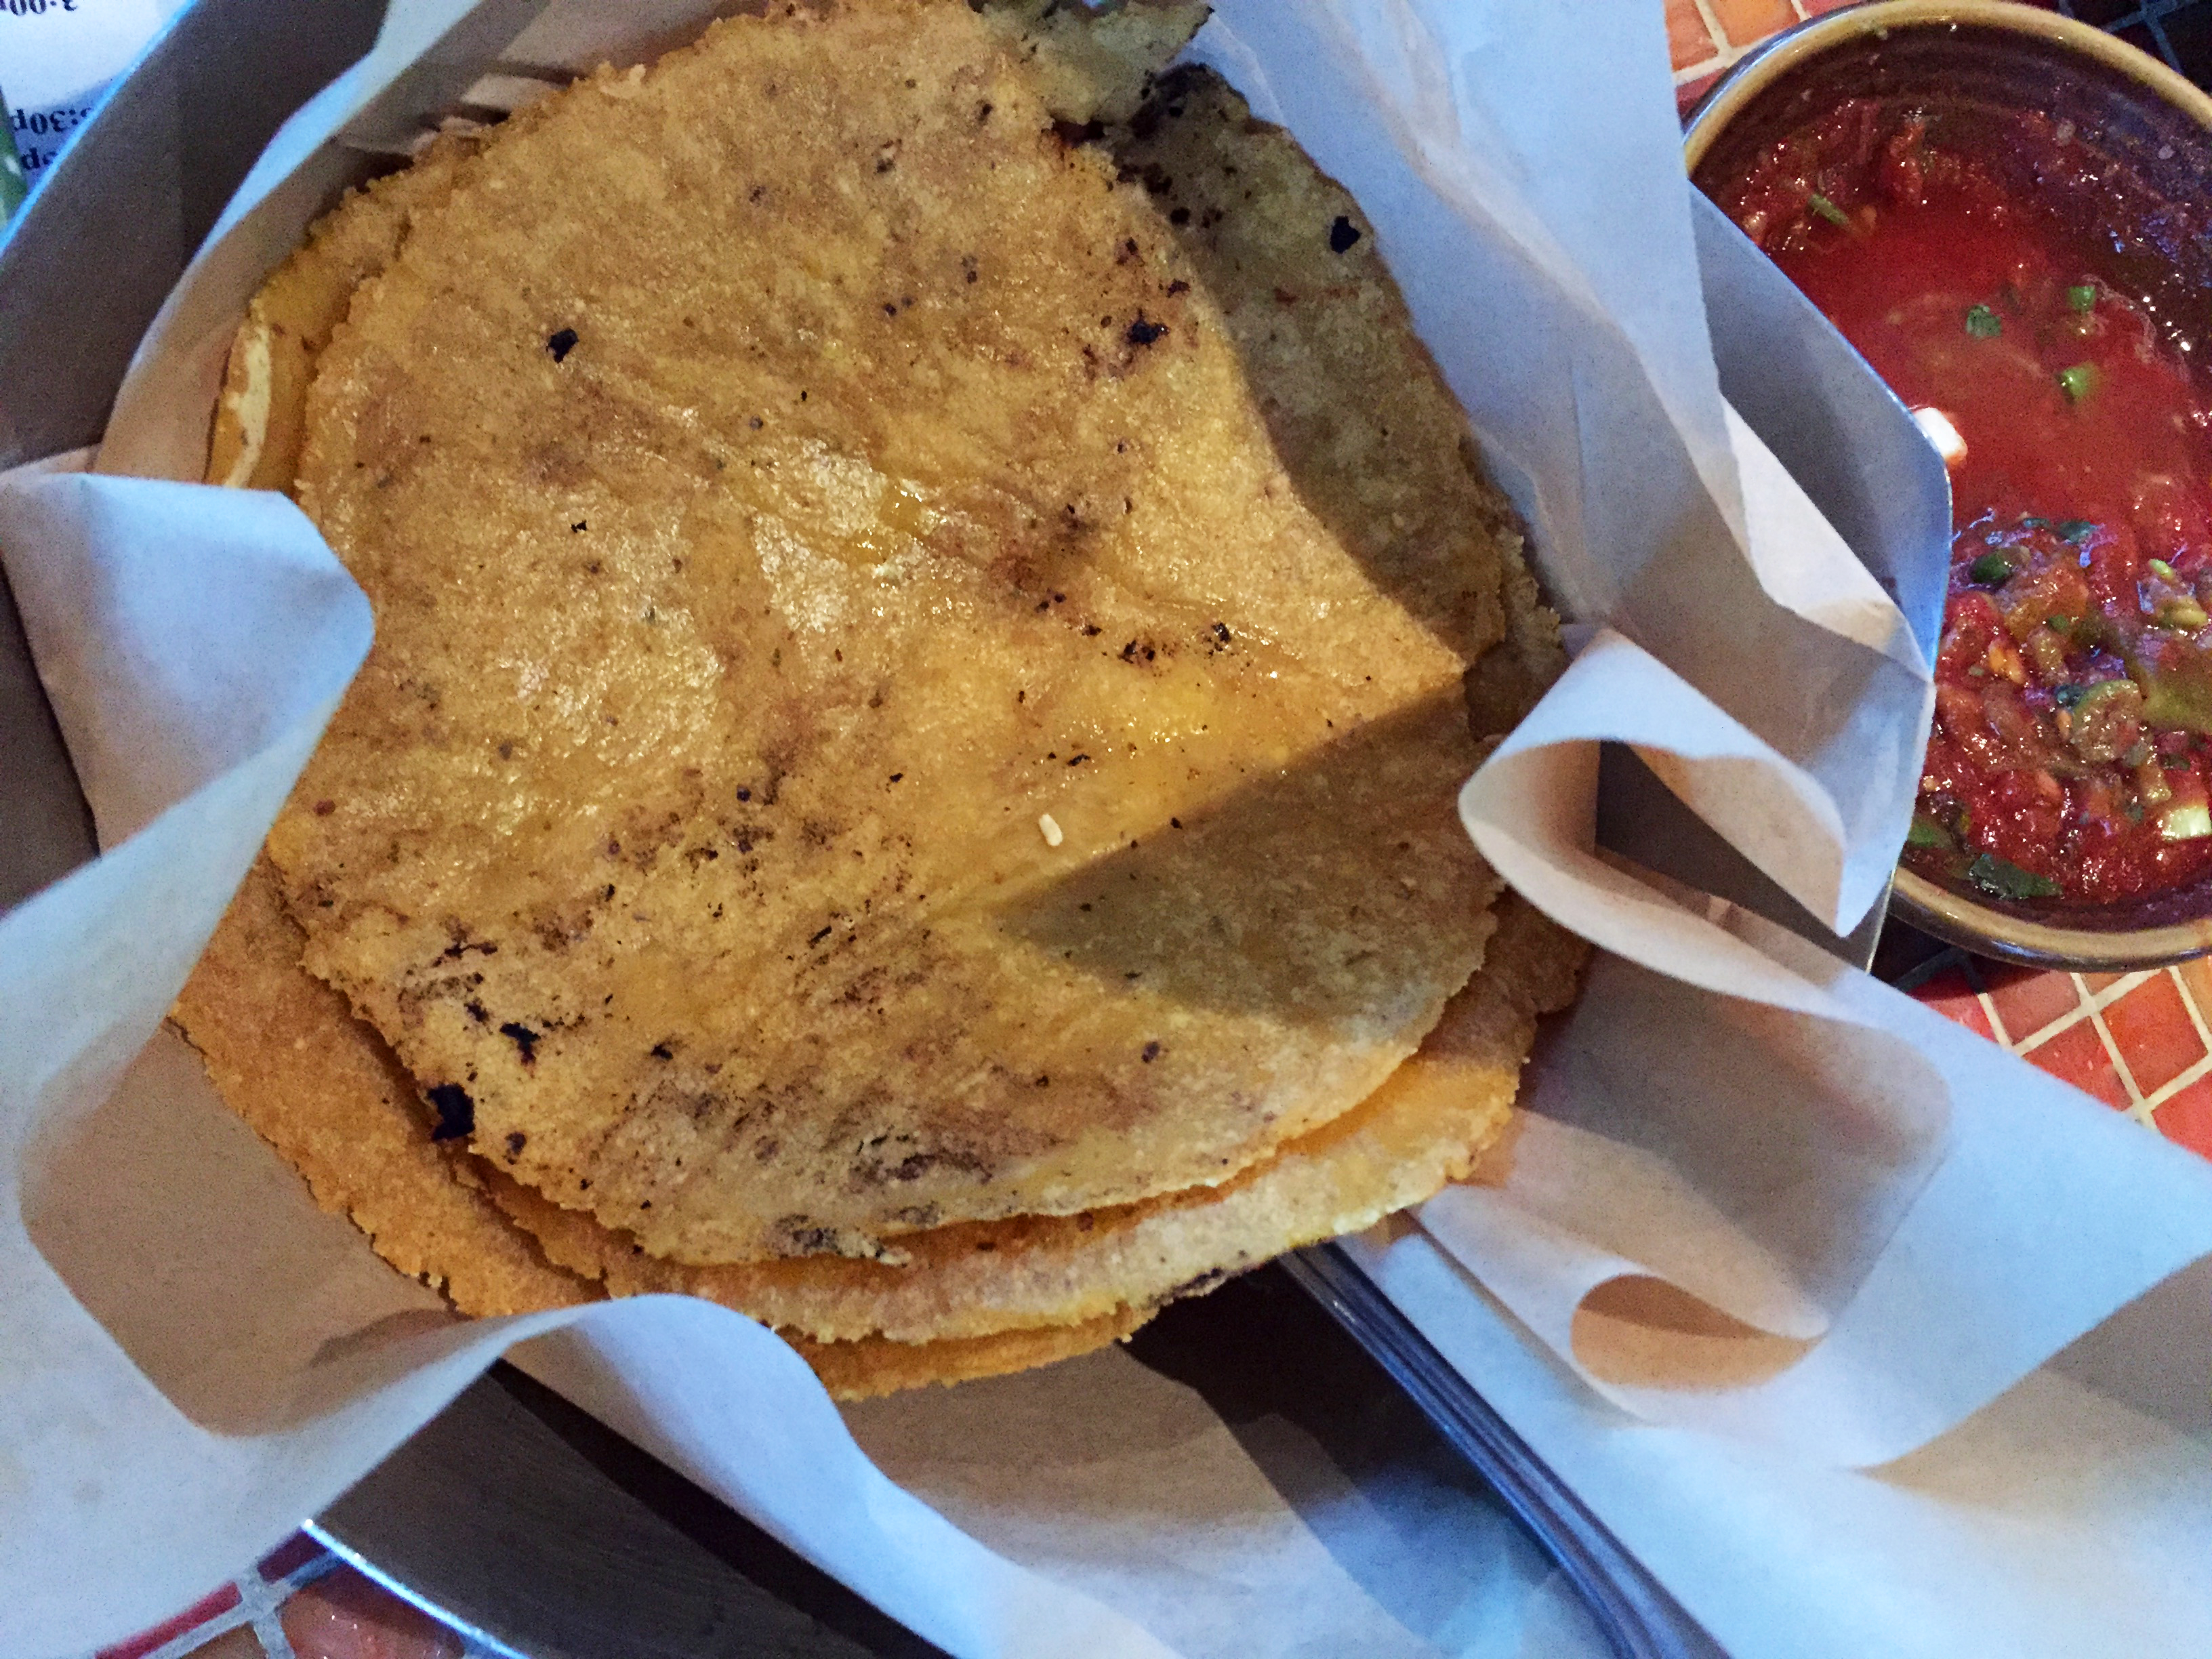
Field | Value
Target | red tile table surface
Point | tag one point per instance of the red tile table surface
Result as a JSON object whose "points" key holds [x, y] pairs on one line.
{"points": [[2140, 1042]]}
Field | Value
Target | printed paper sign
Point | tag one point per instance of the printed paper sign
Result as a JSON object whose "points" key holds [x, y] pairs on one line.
{"points": [[57, 57]]}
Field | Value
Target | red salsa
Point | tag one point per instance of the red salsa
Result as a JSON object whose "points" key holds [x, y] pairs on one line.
{"points": [[2072, 747]]}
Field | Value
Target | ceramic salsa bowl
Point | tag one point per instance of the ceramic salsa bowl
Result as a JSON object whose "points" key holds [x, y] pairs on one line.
{"points": [[2150, 134]]}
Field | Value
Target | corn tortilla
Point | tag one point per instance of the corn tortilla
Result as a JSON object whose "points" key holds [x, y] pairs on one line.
{"points": [[1422, 1128], [743, 621], [285, 1052], [874, 1366], [261, 413]]}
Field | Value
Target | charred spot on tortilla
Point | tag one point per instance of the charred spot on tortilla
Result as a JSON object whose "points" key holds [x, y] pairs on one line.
{"points": [[457, 1112]]}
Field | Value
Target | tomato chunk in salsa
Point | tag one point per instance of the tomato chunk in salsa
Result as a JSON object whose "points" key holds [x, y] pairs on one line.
{"points": [[2073, 741]]}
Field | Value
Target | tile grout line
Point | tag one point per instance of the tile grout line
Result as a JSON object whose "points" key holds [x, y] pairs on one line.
{"points": [[2119, 987], [2156, 25], [2196, 1073], [1944, 961], [2135, 1109], [2146, 1104], [190, 1641], [268, 1631], [2188, 1001], [2189, 1006], [1969, 966], [1714, 65], [259, 1606], [2087, 1002], [1713, 29], [2090, 1007], [2193, 1072], [265, 1601]]}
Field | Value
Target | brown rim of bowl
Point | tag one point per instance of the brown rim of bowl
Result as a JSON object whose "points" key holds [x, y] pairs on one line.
{"points": [[1960, 921], [1754, 72], [1936, 909]]}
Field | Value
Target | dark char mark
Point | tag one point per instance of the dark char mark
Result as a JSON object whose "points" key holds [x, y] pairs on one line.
{"points": [[457, 1112]]}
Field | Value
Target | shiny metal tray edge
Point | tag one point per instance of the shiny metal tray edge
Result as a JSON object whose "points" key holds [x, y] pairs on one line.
{"points": [[1635, 1612]]}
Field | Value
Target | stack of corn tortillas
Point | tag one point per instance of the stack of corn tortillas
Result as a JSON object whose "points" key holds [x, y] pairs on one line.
{"points": [[931, 615]]}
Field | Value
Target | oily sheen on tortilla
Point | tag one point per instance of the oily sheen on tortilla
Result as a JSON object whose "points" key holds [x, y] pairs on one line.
{"points": [[874, 724]]}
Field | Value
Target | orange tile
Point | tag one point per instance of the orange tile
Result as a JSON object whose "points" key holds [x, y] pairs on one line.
{"points": [[2151, 1029], [1688, 40], [2077, 1056], [1815, 7], [1951, 994], [2097, 984], [342, 1616], [238, 1642], [2196, 983], [2028, 999], [1747, 22], [2186, 1117]]}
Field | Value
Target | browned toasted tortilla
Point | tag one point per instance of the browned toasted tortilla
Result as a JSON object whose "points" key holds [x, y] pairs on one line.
{"points": [[686, 843], [753, 586]]}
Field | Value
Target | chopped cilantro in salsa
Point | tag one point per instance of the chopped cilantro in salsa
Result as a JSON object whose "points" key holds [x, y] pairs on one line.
{"points": [[2078, 381], [2071, 758], [2002, 879]]}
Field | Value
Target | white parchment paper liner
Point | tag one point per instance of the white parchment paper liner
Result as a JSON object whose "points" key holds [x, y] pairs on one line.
{"points": [[1786, 1142]]}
